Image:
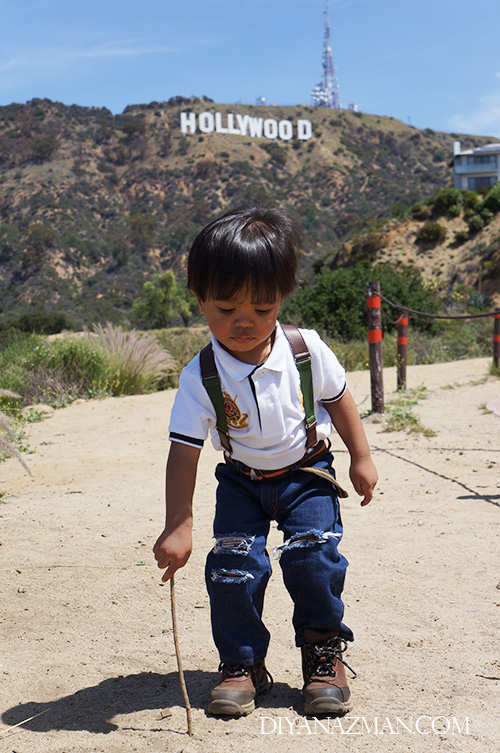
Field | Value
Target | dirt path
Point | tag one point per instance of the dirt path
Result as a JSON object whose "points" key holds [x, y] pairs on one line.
{"points": [[86, 628]]}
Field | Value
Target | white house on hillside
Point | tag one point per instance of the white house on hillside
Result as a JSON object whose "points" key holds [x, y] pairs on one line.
{"points": [[476, 168]]}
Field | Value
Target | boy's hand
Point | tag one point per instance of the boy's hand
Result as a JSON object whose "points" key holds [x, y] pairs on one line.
{"points": [[172, 550], [364, 478]]}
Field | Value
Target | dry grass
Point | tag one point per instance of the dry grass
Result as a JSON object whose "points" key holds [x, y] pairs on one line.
{"points": [[136, 361], [6, 446]]}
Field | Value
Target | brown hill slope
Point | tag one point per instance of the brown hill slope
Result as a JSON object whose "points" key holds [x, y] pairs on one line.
{"points": [[92, 203], [452, 265]]}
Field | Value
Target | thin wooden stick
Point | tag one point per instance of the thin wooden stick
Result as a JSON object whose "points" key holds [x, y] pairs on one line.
{"points": [[179, 660]]}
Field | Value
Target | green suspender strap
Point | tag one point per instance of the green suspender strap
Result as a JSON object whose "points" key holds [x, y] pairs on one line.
{"points": [[303, 363], [211, 382]]}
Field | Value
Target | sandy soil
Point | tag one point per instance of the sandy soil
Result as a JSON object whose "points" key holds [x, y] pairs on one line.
{"points": [[86, 628]]}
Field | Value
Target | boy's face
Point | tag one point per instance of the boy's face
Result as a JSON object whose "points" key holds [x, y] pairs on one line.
{"points": [[243, 328]]}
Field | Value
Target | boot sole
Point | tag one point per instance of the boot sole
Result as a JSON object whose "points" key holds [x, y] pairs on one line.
{"points": [[326, 706], [221, 707]]}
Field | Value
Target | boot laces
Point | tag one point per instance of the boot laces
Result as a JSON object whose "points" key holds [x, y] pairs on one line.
{"points": [[321, 658], [239, 670], [234, 670]]}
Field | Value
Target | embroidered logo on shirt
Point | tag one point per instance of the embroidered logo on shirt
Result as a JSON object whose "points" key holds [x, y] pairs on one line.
{"points": [[235, 418]]}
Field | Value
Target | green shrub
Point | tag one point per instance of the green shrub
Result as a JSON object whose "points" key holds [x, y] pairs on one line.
{"points": [[55, 373], [43, 322], [461, 236], [476, 223], [8, 435], [420, 211], [470, 199], [492, 199], [446, 199], [480, 302], [366, 247], [486, 215], [335, 301], [431, 233]]}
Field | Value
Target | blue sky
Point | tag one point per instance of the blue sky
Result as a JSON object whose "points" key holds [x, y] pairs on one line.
{"points": [[433, 63]]}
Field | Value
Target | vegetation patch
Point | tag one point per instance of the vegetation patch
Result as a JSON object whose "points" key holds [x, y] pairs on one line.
{"points": [[400, 416]]}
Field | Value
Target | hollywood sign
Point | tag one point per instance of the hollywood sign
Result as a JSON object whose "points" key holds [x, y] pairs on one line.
{"points": [[245, 125]]}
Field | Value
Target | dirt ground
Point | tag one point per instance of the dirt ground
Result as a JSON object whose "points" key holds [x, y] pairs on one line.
{"points": [[85, 625]]}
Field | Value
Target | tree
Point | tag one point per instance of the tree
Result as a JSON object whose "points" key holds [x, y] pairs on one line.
{"points": [[163, 301], [142, 230], [43, 147], [335, 301]]}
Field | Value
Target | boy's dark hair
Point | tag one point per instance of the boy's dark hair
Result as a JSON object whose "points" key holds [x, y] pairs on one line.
{"points": [[248, 247]]}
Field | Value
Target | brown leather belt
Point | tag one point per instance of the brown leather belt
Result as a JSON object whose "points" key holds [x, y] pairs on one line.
{"points": [[311, 457]]}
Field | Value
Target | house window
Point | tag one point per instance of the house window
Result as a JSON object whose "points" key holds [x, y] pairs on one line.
{"points": [[475, 184], [482, 159]]}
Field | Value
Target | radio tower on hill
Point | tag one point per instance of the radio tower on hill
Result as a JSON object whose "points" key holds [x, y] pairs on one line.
{"points": [[326, 93]]}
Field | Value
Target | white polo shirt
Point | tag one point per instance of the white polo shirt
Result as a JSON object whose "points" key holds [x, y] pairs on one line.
{"points": [[263, 404]]}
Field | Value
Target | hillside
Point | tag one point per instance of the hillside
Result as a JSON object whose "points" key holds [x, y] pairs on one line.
{"points": [[453, 265], [92, 203]]}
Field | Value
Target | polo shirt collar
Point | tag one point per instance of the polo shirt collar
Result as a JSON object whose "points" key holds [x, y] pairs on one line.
{"points": [[239, 370]]}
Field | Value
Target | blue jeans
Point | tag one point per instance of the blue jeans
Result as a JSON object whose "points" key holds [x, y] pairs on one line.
{"points": [[238, 567]]}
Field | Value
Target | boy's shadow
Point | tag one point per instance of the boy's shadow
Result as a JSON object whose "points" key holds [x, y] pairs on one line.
{"points": [[91, 708]]}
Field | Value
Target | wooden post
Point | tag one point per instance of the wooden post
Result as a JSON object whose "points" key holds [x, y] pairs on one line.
{"points": [[375, 345], [496, 340], [401, 362]]}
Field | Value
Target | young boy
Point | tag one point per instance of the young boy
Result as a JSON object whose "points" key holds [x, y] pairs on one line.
{"points": [[240, 268]]}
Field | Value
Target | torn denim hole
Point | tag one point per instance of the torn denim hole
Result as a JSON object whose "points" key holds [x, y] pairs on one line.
{"points": [[230, 576], [305, 540], [234, 543]]}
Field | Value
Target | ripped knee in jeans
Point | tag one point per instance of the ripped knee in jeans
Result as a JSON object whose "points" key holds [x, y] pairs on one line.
{"points": [[305, 540], [233, 543], [230, 576]]}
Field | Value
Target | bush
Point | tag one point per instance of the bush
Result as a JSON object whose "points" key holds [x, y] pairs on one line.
{"points": [[55, 373], [7, 433], [182, 344], [461, 236], [431, 233], [43, 322], [335, 301], [446, 199], [480, 302], [420, 211], [476, 223], [366, 247], [486, 216], [455, 210], [470, 199], [492, 199]]}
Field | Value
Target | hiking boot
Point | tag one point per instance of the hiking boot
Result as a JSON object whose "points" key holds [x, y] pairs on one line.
{"points": [[237, 688], [325, 685]]}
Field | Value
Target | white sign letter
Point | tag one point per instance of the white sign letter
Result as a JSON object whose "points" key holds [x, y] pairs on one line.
{"points": [[243, 123], [230, 124], [218, 123], [255, 127], [206, 122], [270, 128], [304, 129], [285, 130], [188, 121]]}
